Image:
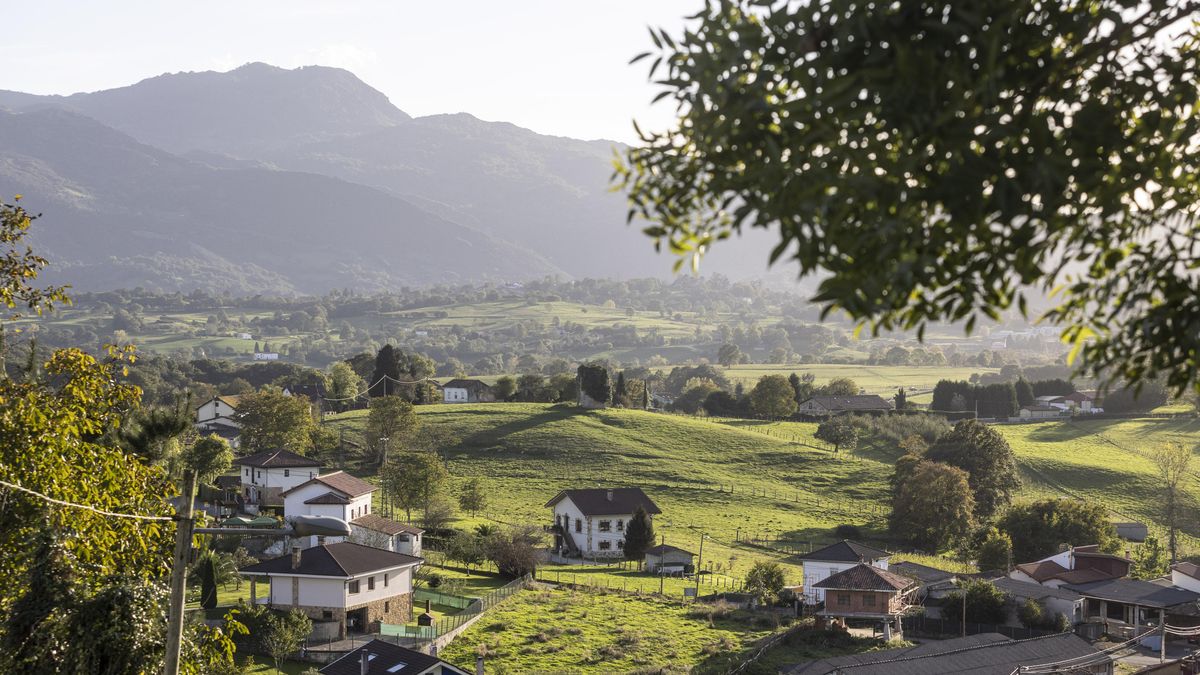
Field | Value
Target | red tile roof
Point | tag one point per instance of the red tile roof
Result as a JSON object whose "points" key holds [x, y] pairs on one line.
{"points": [[340, 481], [387, 526], [863, 577]]}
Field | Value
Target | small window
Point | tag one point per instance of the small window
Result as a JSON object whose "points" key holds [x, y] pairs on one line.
{"points": [[578, 525], [354, 586], [247, 472], [367, 508], [287, 473], [370, 583], [327, 615], [620, 543], [605, 545], [387, 606], [843, 599], [385, 579], [606, 526], [868, 600], [620, 526]]}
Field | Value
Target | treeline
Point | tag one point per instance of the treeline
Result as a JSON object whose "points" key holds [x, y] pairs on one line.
{"points": [[1005, 399]]}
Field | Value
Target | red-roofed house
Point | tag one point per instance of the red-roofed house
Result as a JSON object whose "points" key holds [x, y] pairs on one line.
{"points": [[867, 592], [1078, 565], [268, 474]]}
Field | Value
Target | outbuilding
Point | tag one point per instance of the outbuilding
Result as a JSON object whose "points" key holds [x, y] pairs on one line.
{"points": [[667, 559]]}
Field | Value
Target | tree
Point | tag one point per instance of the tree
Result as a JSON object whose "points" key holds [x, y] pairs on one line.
{"points": [[693, 398], [995, 551], [1173, 461], [639, 535], [505, 388], [1033, 615], [838, 432], [838, 386], [1039, 528], [515, 551], [412, 481], [765, 581], [209, 457], [773, 397], [730, 354], [393, 418], [472, 498], [147, 432], [1146, 395], [385, 379], [344, 383], [983, 453], [594, 384], [206, 570], [1150, 561], [1024, 392], [270, 420], [901, 399], [720, 404], [531, 387], [802, 386], [621, 392], [966, 163], [283, 633], [985, 603], [932, 506], [468, 548]]}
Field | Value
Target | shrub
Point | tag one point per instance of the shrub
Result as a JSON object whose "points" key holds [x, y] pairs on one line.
{"points": [[846, 531]]}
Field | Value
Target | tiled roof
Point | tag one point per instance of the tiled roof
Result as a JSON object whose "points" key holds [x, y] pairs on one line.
{"points": [[846, 551], [1135, 591], [387, 526], [863, 402], [1024, 589], [344, 559], [864, 577], [666, 548], [276, 459], [607, 501], [466, 384], [340, 481], [1187, 568], [383, 659], [923, 573], [1042, 570], [984, 654], [328, 498]]}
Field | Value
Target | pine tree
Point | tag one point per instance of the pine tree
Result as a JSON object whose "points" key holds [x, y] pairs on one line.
{"points": [[639, 535], [620, 395], [901, 399], [387, 369]]}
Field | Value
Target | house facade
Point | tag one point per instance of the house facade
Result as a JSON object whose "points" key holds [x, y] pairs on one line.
{"points": [[467, 391], [825, 562], [266, 475], [1039, 412], [826, 406], [375, 530], [336, 494], [867, 592], [591, 522], [354, 586], [218, 415], [665, 559], [1075, 565]]}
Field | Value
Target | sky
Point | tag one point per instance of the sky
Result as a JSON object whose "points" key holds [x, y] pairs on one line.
{"points": [[556, 67]]}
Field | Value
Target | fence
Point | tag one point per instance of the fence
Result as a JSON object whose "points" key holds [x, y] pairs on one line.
{"points": [[921, 626], [669, 585], [446, 599], [454, 621]]}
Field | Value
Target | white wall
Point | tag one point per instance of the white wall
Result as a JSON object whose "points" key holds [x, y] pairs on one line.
{"points": [[284, 479], [399, 583], [454, 395], [334, 592], [216, 410], [589, 539], [1185, 582]]}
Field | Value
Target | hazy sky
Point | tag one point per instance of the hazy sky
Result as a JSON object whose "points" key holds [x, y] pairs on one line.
{"points": [[554, 66]]}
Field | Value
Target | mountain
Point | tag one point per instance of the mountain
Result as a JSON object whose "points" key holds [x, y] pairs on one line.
{"points": [[540, 198], [120, 211]]}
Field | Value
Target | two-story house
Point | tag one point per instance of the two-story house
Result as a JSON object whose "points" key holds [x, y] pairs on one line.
{"points": [[266, 475], [336, 494], [867, 592], [825, 562], [591, 522], [356, 586], [218, 416], [467, 391]]}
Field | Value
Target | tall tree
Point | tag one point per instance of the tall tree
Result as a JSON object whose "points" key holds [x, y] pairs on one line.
{"points": [[413, 480], [344, 383], [505, 388], [995, 551], [838, 386], [1174, 462], [839, 432], [472, 499], [987, 458], [966, 159], [932, 506], [773, 397], [385, 378], [901, 399], [730, 354], [1024, 392], [1038, 529], [271, 420], [391, 418], [209, 457], [639, 535]]}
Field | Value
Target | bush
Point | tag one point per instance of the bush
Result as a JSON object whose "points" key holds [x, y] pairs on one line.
{"points": [[845, 531]]}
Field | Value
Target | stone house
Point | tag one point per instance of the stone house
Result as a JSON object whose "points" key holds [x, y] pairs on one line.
{"points": [[353, 586]]}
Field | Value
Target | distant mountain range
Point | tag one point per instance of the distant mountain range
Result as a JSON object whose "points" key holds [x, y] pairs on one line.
{"points": [[277, 181]]}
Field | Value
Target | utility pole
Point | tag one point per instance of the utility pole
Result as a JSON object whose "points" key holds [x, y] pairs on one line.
{"points": [[699, 562], [183, 546], [661, 579], [964, 611]]}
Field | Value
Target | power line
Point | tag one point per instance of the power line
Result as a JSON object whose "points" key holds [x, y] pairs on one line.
{"points": [[85, 507]]}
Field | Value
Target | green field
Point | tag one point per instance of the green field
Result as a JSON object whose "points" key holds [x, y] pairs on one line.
{"points": [[562, 630], [883, 380]]}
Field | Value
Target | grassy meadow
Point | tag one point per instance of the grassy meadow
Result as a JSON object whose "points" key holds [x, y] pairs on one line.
{"points": [[883, 380]]}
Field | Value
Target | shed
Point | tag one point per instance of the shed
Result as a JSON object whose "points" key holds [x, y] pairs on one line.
{"points": [[666, 559]]}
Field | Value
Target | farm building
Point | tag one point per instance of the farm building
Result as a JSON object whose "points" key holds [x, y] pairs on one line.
{"points": [[665, 559], [825, 562], [1038, 412], [467, 391], [824, 406], [867, 592]]}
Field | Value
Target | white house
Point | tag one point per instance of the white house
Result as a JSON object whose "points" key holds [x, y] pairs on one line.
{"points": [[336, 494], [358, 587], [1074, 565], [1054, 600], [467, 391], [218, 416], [384, 658], [823, 563], [375, 530], [268, 474], [591, 522], [1186, 575], [1037, 412]]}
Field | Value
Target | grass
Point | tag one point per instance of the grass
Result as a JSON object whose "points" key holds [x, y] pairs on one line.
{"points": [[881, 380], [258, 664], [562, 630]]}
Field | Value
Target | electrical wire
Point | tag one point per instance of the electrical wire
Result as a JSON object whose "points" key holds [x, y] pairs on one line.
{"points": [[85, 507]]}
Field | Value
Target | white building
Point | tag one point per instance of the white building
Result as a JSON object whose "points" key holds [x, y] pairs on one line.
{"points": [[218, 415], [358, 587], [336, 494], [1038, 412], [1186, 575], [268, 474], [375, 530], [467, 391], [591, 522], [823, 563]]}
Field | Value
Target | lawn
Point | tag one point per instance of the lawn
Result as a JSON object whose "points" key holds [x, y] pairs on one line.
{"points": [[883, 380], [563, 630]]}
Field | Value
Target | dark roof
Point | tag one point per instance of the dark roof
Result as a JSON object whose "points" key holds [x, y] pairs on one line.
{"points": [[228, 482], [344, 559], [597, 502], [860, 402], [1134, 591], [846, 551], [864, 577], [309, 391], [1042, 570], [276, 459], [1041, 408], [922, 573], [378, 523], [466, 384], [328, 498], [1188, 568], [983, 654], [384, 656], [666, 548], [1085, 575], [340, 481], [1024, 589]]}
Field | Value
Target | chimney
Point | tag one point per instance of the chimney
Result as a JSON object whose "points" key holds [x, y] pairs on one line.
{"points": [[610, 495], [295, 556], [364, 662]]}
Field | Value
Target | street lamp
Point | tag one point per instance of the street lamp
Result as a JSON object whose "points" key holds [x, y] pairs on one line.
{"points": [[302, 526]]}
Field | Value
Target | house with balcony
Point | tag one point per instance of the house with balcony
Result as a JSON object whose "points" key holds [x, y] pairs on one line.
{"points": [[591, 522], [865, 592], [266, 475], [830, 560], [218, 415], [353, 587]]}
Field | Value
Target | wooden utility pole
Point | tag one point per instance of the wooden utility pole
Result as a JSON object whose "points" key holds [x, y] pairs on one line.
{"points": [[964, 612], [699, 562], [661, 579], [179, 565]]}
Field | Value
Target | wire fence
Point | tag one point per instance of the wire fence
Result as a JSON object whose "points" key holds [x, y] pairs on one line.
{"points": [[445, 599], [920, 626], [449, 623], [643, 585]]}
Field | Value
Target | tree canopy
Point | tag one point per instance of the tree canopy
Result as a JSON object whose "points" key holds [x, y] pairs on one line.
{"points": [[931, 506], [1038, 529], [935, 160], [986, 457]]}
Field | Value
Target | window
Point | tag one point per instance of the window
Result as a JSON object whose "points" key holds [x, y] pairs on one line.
{"points": [[843, 599], [605, 545], [370, 583], [606, 526], [287, 473], [620, 543], [257, 474], [868, 600], [578, 525], [385, 579], [354, 586], [247, 472], [327, 615], [387, 606], [367, 508], [620, 526], [311, 475]]}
